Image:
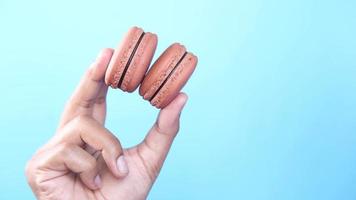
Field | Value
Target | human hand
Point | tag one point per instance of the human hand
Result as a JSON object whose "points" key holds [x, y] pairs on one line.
{"points": [[84, 160]]}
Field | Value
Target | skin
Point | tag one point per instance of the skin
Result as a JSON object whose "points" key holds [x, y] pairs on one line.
{"points": [[84, 160]]}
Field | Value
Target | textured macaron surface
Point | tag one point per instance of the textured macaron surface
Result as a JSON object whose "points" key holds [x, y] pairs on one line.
{"points": [[161, 69], [139, 63], [168, 75], [175, 82], [121, 56]]}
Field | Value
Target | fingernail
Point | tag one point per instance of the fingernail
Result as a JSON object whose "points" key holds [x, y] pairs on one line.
{"points": [[97, 181], [122, 165]]}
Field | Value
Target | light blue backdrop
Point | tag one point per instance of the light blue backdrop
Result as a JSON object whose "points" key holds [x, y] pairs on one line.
{"points": [[272, 108]]}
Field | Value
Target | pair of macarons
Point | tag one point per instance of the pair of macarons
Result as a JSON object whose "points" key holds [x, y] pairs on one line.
{"points": [[131, 60]]}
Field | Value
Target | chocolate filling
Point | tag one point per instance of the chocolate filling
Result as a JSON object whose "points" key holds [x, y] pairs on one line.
{"points": [[130, 59], [169, 75]]}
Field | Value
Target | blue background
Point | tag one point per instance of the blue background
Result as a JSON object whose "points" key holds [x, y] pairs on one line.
{"points": [[272, 108]]}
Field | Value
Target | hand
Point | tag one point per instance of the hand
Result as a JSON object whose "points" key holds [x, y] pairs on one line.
{"points": [[84, 160]]}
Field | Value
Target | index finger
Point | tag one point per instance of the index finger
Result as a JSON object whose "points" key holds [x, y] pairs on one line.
{"points": [[90, 88]]}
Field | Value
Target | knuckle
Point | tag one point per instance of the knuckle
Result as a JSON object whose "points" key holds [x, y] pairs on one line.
{"points": [[90, 164], [111, 144], [100, 100], [65, 149], [114, 146], [80, 119], [32, 172], [33, 164], [162, 130], [158, 129], [32, 179], [167, 128]]}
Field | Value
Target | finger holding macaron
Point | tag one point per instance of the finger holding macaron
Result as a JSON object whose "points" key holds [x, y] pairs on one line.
{"points": [[163, 81]]}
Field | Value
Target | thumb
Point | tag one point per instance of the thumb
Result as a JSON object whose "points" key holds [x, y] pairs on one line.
{"points": [[158, 141]]}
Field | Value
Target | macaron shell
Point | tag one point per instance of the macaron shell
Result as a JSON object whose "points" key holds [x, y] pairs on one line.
{"points": [[121, 55], [161, 69], [140, 62], [176, 81]]}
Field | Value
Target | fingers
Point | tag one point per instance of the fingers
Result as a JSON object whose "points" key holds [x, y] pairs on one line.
{"points": [[81, 162], [85, 130], [91, 84], [65, 157], [99, 110], [158, 141], [91, 89]]}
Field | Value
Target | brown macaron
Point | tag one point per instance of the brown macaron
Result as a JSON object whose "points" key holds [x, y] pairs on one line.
{"points": [[168, 75], [131, 60]]}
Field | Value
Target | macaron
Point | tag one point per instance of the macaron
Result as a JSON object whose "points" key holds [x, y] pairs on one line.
{"points": [[168, 75], [131, 60]]}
